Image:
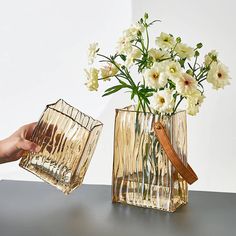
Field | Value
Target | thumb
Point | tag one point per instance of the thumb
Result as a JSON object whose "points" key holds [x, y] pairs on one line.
{"points": [[29, 146]]}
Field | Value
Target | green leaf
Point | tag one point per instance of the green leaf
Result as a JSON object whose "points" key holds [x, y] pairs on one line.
{"points": [[123, 83], [132, 95], [139, 33], [175, 95], [145, 99], [171, 83], [113, 87], [112, 90], [151, 23], [149, 94]]}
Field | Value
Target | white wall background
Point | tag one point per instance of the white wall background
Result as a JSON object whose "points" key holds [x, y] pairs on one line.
{"points": [[43, 53], [43, 48]]}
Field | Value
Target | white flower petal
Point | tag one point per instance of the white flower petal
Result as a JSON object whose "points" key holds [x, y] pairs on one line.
{"points": [[92, 79], [218, 75], [186, 85], [163, 101], [92, 52], [165, 41]]}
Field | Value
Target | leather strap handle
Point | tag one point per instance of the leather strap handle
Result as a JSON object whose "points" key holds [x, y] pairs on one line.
{"points": [[185, 171]]}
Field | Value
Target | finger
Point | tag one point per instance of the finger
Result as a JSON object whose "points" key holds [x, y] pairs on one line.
{"points": [[28, 129], [21, 154], [28, 146]]}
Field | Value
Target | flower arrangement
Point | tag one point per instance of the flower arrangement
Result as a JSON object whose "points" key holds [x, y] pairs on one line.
{"points": [[170, 72]]}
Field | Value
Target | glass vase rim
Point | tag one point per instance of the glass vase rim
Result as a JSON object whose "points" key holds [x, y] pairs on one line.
{"points": [[50, 106], [126, 109]]}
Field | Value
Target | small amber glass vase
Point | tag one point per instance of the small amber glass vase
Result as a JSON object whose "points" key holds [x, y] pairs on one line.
{"points": [[67, 138], [142, 173]]}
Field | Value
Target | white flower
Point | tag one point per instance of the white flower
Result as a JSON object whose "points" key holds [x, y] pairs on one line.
{"points": [[124, 45], [173, 70], [108, 71], [194, 102], [156, 76], [210, 56], [158, 54], [133, 30], [165, 41], [92, 52], [92, 77], [184, 51], [218, 75], [186, 85], [134, 54], [163, 101]]}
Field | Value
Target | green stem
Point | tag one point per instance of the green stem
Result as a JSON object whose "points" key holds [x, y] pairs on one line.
{"points": [[172, 50], [138, 48], [194, 65], [105, 78], [147, 36], [180, 100], [167, 58], [140, 101], [125, 74], [202, 80], [138, 107], [114, 63], [201, 74]]}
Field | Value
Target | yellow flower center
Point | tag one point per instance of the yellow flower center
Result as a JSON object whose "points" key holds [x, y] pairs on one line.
{"points": [[219, 75], [172, 70], [187, 82], [155, 76], [162, 100]]}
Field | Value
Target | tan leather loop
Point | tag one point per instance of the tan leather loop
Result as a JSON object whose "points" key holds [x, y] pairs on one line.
{"points": [[185, 171]]}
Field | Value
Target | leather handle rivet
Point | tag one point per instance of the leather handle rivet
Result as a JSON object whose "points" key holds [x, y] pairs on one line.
{"points": [[158, 126]]}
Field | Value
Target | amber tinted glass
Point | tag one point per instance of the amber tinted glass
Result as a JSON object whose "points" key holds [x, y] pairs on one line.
{"points": [[67, 138], [142, 174]]}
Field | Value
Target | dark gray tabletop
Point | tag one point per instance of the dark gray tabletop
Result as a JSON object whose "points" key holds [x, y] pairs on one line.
{"points": [[37, 209]]}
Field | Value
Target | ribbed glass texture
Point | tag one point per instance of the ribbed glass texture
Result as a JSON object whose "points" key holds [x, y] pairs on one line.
{"points": [[67, 138], [142, 174]]}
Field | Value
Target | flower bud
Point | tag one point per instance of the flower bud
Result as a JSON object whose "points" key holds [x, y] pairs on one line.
{"points": [[139, 33], [199, 45], [190, 72], [214, 57], [178, 40], [196, 53]]}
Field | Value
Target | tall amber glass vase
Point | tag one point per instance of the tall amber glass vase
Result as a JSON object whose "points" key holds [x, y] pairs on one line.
{"points": [[142, 173], [67, 138]]}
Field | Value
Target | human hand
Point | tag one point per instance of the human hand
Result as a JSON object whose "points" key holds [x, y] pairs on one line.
{"points": [[12, 148]]}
